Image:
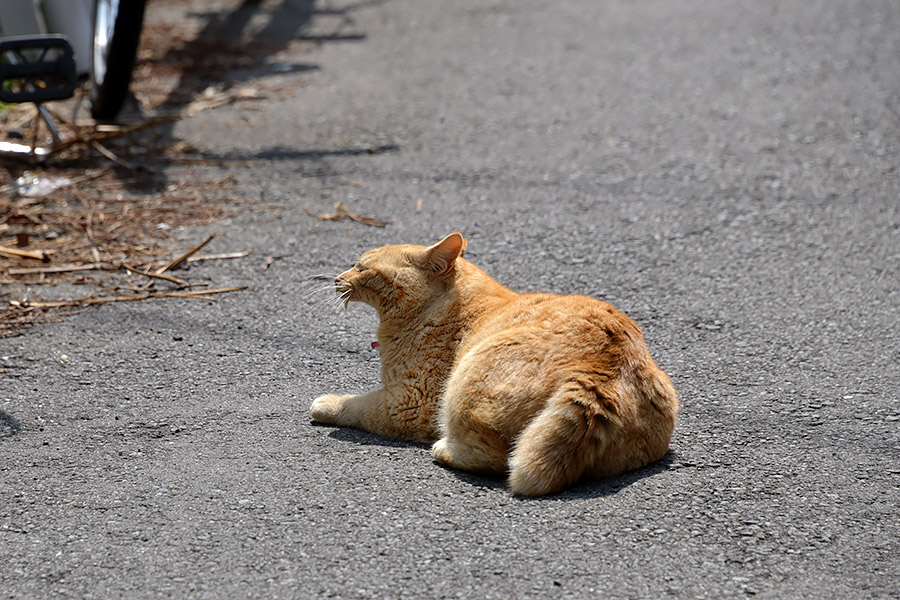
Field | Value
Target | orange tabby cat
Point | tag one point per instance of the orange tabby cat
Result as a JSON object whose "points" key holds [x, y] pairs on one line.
{"points": [[547, 388]]}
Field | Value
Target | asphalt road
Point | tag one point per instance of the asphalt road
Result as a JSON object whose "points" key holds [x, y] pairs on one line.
{"points": [[724, 172]]}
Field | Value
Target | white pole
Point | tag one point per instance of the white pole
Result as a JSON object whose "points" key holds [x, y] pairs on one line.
{"points": [[73, 19], [20, 17]]}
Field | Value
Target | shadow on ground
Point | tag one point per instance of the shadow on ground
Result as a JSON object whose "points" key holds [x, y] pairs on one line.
{"points": [[8, 426], [583, 489], [233, 47]]}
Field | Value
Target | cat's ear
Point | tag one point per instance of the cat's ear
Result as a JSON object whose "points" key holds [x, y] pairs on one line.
{"points": [[441, 257]]}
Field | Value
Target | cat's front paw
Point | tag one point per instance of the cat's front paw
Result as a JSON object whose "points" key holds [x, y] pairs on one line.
{"points": [[325, 409], [440, 450]]}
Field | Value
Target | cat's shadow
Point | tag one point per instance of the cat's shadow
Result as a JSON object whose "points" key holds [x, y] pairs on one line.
{"points": [[598, 488], [586, 488], [358, 436]]}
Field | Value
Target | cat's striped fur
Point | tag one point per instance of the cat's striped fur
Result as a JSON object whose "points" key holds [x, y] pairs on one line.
{"points": [[546, 388]]}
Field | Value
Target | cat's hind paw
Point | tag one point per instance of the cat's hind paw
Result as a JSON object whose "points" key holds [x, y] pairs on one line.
{"points": [[326, 409], [479, 458]]}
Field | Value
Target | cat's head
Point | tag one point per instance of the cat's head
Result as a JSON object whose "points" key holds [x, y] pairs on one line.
{"points": [[398, 279]]}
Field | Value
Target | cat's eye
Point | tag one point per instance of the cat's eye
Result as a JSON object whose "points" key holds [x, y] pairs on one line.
{"points": [[359, 267]]}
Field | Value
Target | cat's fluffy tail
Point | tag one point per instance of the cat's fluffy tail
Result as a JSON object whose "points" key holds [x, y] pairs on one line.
{"points": [[599, 429], [553, 450]]}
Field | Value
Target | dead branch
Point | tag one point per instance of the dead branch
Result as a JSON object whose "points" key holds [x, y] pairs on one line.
{"points": [[184, 256], [152, 275], [271, 258], [91, 300], [60, 269], [110, 131], [224, 256], [342, 212], [112, 155], [30, 254]]}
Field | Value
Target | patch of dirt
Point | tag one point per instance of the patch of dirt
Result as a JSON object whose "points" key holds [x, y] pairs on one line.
{"points": [[109, 209]]}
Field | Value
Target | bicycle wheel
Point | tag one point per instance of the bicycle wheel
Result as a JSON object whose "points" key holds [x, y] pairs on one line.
{"points": [[117, 30]]}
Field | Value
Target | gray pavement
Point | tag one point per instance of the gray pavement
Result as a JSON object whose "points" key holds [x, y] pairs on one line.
{"points": [[725, 173]]}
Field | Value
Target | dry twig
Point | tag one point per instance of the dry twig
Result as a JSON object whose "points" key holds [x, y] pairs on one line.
{"points": [[30, 254], [184, 257], [91, 300], [223, 256], [59, 269], [152, 275], [271, 258], [342, 212], [112, 156]]}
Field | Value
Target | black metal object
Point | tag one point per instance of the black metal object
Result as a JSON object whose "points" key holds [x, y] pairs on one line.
{"points": [[117, 31], [36, 69]]}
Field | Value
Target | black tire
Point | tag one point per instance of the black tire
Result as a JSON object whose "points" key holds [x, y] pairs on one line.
{"points": [[117, 31]]}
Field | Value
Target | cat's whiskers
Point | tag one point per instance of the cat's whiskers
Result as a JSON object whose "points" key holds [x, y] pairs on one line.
{"points": [[317, 285], [337, 301], [345, 297], [334, 294], [319, 291]]}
